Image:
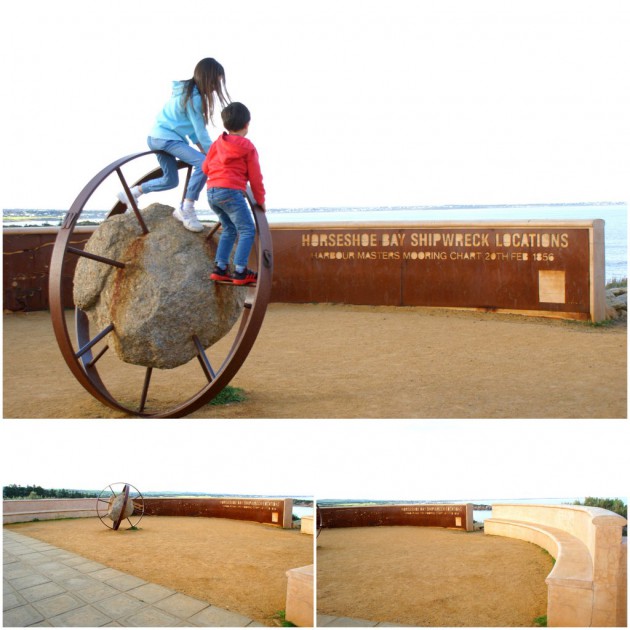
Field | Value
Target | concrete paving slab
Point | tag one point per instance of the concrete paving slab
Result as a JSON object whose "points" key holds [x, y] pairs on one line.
{"points": [[347, 622], [118, 606], [21, 616], [28, 581], [152, 618], [55, 588], [324, 620], [77, 583], [57, 605], [331, 621], [12, 600], [125, 582], [89, 567], [41, 591], [181, 606], [151, 593], [219, 618], [84, 617], [96, 592], [106, 574]]}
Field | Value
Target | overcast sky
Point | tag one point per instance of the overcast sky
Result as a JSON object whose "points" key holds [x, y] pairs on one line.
{"points": [[354, 102], [378, 459]]}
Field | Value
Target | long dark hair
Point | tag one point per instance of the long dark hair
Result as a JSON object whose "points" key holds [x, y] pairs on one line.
{"points": [[209, 78]]}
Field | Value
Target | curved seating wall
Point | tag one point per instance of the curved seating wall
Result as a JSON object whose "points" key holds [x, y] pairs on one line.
{"points": [[588, 583]]}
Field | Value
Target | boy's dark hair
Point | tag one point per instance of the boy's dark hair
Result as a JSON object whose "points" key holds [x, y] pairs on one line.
{"points": [[235, 116]]}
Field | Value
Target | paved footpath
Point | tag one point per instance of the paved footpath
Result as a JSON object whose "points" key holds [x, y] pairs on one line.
{"points": [[47, 586], [327, 621]]}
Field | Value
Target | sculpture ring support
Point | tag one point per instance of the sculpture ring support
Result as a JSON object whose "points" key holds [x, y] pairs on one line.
{"points": [[81, 361], [319, 524]]}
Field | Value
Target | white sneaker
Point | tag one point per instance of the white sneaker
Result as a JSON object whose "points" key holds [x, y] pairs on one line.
{"points": [[188, 217], [122, 196]]}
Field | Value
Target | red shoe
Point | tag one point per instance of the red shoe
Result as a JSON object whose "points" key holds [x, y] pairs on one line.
{"points": [[220, 275], [247, 276]]}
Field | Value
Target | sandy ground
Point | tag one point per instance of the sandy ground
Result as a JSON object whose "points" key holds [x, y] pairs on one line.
{"points": [[430, 577], [235, 565], [339, 361]]}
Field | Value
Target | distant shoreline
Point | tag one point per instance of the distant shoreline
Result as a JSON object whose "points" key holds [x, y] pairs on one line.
{"points": [[9, 212]]}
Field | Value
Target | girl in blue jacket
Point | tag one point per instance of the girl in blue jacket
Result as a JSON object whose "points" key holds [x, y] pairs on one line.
{"points": [[185, 117]]}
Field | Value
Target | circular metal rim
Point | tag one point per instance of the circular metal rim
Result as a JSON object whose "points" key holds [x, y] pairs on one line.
{"points": [[86, 372], [126, 487]]}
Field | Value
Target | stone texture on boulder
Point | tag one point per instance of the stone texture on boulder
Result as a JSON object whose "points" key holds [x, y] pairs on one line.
{"points": [[164, 294], [116, 505]]}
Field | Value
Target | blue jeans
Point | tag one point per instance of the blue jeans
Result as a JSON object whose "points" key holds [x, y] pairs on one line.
{"points": [[170, 178], [236, 220]]}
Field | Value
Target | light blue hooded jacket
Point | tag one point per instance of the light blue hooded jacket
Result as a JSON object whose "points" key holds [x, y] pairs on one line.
{"points": [[176, 123]]}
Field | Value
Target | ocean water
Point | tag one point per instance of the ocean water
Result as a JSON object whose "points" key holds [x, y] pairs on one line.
{"points": [[302, 510], [615, 216]]}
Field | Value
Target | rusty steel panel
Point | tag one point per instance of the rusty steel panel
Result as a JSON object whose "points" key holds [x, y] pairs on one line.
{"points": [[270, 511], [490, 267], [520, 267], [425, 515], [26, 265]]}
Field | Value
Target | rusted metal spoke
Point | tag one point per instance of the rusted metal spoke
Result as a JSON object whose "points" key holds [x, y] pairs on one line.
{"points": [[134, 205], [91, 363], [188, 174], [145, 387], [107, 261], [213, 230], [203, 360], [94, 341]]}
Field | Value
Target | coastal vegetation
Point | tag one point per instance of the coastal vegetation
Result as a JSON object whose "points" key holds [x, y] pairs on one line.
{"points": [[613, 505], [14, 491], [617, 284]]}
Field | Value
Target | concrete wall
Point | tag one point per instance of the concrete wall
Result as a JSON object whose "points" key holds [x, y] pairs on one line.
{"points": [[23, 510], [589, 579], [300, 596], [306, 526]]}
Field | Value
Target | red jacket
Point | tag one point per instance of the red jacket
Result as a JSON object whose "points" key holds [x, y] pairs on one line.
{"points": [[231, 162]]}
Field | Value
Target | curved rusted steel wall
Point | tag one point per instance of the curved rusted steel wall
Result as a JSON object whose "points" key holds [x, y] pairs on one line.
{"points": [[457, 516], [538, 268], [277, 512]]}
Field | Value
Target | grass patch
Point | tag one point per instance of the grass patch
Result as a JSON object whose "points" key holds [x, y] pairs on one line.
{"points": [[281, 619], [228, 396], [604, 323], [541, 622]]}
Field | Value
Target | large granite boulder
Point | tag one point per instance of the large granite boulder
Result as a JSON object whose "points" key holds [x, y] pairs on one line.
{"points": [[164, 294]]}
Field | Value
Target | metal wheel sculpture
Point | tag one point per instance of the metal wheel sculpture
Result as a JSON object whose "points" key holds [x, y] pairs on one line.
{"points": [[81, 360], [119, 502]]}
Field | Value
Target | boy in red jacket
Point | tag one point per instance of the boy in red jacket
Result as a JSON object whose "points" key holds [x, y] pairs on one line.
{"points": [[231, 161]]}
